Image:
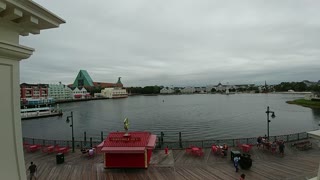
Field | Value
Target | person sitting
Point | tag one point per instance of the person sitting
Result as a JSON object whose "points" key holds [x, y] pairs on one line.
{"points": [[273, 147], [84, 150], [91, 152], [224, 150]]}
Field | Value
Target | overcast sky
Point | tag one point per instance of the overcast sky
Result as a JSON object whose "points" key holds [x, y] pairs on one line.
{"points": [[178, 43]]}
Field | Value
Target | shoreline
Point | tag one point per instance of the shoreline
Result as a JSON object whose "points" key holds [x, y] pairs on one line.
{"points": [[305, 103]]}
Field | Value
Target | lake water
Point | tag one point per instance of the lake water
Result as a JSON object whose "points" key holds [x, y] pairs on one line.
{"points": [[201, 116]]}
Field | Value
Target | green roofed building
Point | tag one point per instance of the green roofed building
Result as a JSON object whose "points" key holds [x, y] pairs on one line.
{"points": [[83, 79]]}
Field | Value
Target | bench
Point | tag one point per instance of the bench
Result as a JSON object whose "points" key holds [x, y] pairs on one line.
{"points": [[303, 145]]}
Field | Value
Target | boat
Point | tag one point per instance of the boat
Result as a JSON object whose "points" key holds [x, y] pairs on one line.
{"points": [[40, 112], [227, 91]]}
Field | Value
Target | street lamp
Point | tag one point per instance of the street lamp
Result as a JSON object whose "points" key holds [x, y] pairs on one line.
{"points": [[68, 120], [268, 121]]}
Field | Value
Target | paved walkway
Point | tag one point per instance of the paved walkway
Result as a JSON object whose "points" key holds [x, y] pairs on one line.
{"points": [[295, 165]]}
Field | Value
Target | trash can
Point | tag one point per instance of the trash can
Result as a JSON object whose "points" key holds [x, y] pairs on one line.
{"points": [[60, 158], [235, 154], [245, 161]]}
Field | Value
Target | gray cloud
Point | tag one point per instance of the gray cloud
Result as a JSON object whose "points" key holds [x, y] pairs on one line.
{"points": [[178, 42]]}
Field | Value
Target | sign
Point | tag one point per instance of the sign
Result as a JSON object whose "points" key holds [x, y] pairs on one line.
{"points": [[124, 138]]}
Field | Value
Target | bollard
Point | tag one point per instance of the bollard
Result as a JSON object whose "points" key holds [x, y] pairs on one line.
{"points": [[166, 150], [180, 140], [159, 141], [162, 134]]}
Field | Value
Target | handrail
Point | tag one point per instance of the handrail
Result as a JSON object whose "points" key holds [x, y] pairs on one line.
{"points": [[174, 144]]}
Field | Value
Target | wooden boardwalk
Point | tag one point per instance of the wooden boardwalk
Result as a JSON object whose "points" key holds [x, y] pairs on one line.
{"points": [[295, 165]]}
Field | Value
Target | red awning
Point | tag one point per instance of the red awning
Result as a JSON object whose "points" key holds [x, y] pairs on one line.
{"points": [[99, 147], [123, 149], [152, 141]]}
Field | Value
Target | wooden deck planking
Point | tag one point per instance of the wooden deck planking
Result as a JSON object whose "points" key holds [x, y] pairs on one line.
{"points": [[178, 165]]}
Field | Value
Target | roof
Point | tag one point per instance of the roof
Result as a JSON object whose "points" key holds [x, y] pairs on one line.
{"points": [[119, 80], [31, 16], [87, 76], [104, 85], [314, 134], [123, 149], [135, 139]]}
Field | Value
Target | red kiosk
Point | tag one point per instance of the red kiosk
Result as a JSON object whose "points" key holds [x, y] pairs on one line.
{"points": [[132, 150], [127, 150]]}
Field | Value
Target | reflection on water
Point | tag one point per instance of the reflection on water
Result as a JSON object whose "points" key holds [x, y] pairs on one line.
{"points": [[316, 114], [196, 116]]}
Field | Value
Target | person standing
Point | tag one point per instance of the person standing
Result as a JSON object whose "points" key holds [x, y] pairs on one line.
{"points": [[32, 168], [236, 163], [259, 141], [281, 148], [224, 150]]}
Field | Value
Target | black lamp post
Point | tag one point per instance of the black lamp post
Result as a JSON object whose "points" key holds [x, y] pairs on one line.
{"points": [[268, 120], [68, 120]]}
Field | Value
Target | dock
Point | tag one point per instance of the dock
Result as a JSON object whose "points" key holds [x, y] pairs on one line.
{"points": [[177, 164]]}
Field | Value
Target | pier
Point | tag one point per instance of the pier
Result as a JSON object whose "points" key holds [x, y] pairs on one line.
{"points": [[177, 164]]}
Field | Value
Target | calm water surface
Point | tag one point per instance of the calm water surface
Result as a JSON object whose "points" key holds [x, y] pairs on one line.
{"points": [[207, 116]]}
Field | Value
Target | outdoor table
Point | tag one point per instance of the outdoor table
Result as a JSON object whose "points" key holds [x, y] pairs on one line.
{"points": [[63, 150], [50, 149], [216, 149], [33, 148], [267, 145], [195, 149], [245, 148]]}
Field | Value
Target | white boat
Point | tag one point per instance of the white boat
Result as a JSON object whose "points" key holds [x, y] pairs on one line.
{"points": [[40, 112], [227, 91]]}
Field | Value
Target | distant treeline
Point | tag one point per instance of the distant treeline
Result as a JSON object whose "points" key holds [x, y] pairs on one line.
{"points": [[282, 87], [145, 90], [296, 86]]}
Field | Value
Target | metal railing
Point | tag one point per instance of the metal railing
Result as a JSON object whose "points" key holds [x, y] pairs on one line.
{"points": [[171, 144]]}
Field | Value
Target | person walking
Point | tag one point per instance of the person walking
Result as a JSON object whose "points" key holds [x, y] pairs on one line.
{"points": [[32, 168], [236, 163]]}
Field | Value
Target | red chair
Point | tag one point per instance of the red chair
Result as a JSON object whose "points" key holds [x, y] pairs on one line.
{"points": [[214, 149], [199, 152]]}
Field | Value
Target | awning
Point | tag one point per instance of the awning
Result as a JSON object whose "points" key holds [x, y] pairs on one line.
{"points": [[314, 134], [152, 141], [123, 149], [99, 147]]}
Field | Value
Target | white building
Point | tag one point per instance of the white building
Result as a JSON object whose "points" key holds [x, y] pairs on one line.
{"points": [[16, 18], [188, 90], [166, 90], [200, 89], [114, 93], [80, 93], [59, 91]]}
